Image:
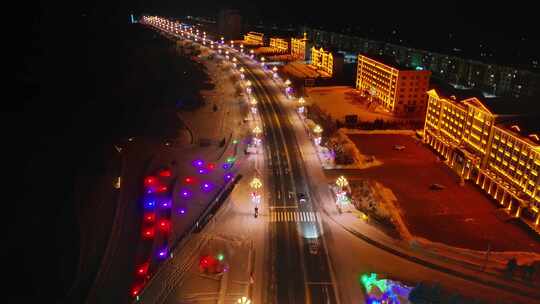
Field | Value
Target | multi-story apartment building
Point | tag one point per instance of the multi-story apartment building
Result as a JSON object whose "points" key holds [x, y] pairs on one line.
{"points": [[279, 44], [492, 79], [400, 90], [254, 38], [298, 48], [485, 142], [322, 60]]}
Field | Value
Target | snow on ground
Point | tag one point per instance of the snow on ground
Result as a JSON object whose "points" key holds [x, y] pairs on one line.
{"points": [[361, 257], [339, 101]]}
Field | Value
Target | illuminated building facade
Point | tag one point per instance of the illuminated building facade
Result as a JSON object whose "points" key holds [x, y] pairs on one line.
{"points": [[488, 148], [400, 91], [298, 48], [488, 77], [322, 60], [254, 38], [279, 44]]}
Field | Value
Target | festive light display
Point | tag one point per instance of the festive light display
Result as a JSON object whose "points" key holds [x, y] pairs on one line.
{"points": [[384, 290]]}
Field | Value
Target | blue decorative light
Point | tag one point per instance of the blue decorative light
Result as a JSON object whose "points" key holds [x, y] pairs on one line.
{"points": [[166, 204], [182, 210], [206, 187], [227, 177], [198, 163], [185, 193], [162, 254], [150, 204], [202, 171]]}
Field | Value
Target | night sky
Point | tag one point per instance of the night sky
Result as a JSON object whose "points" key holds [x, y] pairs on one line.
{"points": [[508, 29]]}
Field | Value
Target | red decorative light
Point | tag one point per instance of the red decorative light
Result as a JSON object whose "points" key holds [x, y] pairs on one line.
{"points": [[150, 217], [148, 233], [135, 290], [189, 180], [142, 270], [149, 180], [165, 173], [211, 166], [162, 189], [164, 225]]}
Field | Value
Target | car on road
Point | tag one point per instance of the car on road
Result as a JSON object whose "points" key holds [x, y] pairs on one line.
{"points": [[399, 147], [301, 197], [436, 186]]}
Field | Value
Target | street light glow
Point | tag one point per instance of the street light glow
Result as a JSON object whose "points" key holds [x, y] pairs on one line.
{"points": [[342, 181], [255, 183], [257, 130]]}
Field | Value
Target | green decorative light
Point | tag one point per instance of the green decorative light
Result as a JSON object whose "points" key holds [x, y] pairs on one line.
{"points": [[220, 257], [231, 159], [235, 141], [371, 280]]}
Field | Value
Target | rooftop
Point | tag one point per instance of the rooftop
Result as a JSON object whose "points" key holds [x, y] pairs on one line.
{"points": [[389, 61]]}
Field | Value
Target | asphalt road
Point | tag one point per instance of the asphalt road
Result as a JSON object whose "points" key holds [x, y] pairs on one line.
{"points": [[300, 270]]}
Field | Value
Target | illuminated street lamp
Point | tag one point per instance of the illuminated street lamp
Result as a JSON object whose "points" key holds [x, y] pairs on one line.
{"points": [[242, 48], [257, 131], [288, 88], [243, 300], [342, 182], [251, 54], [317, 131], [262, 61], [253, 103], [232, 43], [222, 40], [242, 73], [301, 103], [255, 183], [274, 72]]}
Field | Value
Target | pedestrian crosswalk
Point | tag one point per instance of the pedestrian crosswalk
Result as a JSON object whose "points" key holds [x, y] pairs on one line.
{"points": [[292, 216]]}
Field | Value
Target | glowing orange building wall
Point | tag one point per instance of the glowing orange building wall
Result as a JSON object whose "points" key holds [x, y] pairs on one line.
{"points": [[279, 44], [498, 158], [298, 48], [400, 91], [322, 60], [254, 38]]}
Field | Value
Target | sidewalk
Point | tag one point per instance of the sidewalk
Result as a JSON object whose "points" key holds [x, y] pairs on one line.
{"points": [[444, 261]]}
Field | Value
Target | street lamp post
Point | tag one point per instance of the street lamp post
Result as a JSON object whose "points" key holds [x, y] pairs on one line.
{"points": [[253, 103], [288, 88], [262, 61], [301, 103], [256, 184], [274, 70], [248, 85], [251, 54], [317, 131], [242, 73]]}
